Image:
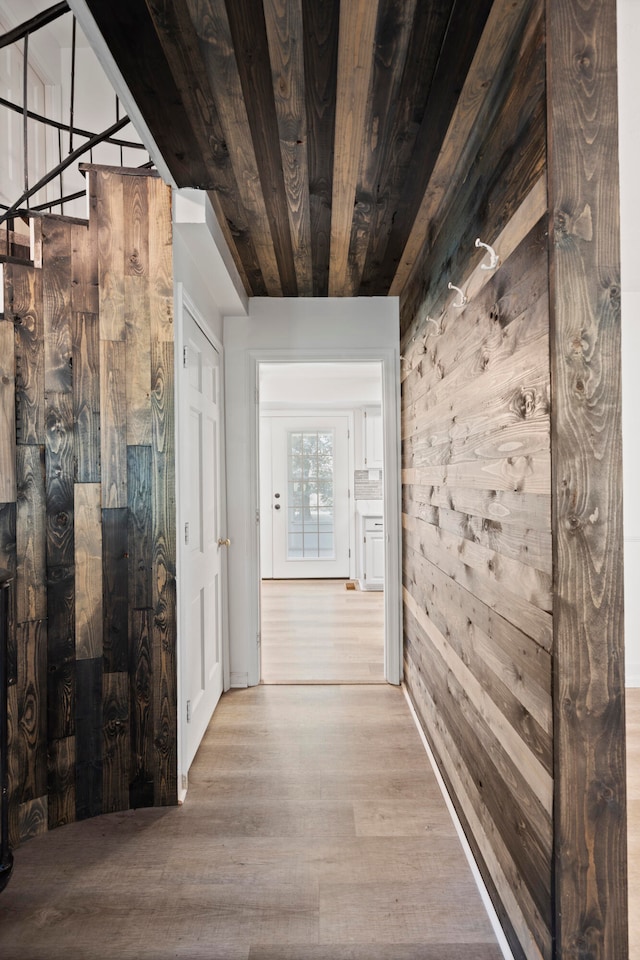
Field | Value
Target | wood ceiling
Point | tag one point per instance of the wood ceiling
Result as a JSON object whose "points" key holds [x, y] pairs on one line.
{"points": [[325, 131]]}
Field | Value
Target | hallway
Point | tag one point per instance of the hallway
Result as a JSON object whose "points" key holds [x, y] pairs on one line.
{"points": [[314, 829]]}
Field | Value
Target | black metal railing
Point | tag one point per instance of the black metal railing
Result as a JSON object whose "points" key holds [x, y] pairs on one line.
{"points": [[6, 858]]}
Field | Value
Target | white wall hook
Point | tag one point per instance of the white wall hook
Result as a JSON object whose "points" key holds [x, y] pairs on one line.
{"points": [[463, 297], [495, 259]]}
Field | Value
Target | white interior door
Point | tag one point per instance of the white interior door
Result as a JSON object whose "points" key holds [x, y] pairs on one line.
{"points": [[309, 499], [202, 676]]}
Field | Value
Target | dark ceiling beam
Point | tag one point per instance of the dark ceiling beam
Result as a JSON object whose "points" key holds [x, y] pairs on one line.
{"points": [[386, 167], [463, 33], [185, 57], [320, 40], [128, 30], [249, 34]]}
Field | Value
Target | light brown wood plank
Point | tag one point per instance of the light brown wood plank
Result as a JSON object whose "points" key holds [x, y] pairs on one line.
{"points": [[517, 474], [138, 360], [27, 313], [7, 413], [284, 32], [88, 563], [355, 58], [316, 631], [250, 874], [590, 867], [107, 200], [160, 261]]}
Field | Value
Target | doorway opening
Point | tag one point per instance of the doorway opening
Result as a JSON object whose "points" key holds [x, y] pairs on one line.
{"points": [[321, 475]]}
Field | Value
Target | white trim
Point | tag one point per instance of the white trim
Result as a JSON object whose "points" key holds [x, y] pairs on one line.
{"points": [[477, 876], [389, 360]]}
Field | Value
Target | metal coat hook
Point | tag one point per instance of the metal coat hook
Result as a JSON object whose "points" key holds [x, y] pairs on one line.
{"points": [[495, 259], [463, 297]]}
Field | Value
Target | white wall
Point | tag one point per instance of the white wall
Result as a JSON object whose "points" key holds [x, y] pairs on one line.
{"points": [[281, 329], [629, 88]]}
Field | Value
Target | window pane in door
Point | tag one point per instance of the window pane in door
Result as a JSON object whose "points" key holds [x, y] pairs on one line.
{"points": [[310, 517]]}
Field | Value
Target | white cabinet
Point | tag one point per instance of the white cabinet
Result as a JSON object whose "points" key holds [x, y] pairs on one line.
{"points": [[373, 447], [372, 555]]}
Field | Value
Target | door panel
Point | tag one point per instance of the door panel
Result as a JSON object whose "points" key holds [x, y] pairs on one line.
{"points": [[200, 464], [309, 508]]}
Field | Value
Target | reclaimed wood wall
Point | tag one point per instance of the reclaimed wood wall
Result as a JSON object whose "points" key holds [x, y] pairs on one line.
{"points": [[512, 576], [87, 511]]}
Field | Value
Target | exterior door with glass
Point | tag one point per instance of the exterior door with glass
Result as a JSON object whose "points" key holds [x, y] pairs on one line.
{"points": [[310, 497]]}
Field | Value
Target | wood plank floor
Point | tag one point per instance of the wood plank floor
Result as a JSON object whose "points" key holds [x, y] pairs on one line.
{"points": [[317, 631], [633, 799], [313, 830]]}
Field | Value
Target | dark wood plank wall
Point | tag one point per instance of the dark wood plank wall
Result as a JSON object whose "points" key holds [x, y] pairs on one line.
{"points": [[590, 823], [87, 525], [477, 555]]}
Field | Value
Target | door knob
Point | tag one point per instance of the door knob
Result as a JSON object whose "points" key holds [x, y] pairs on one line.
{"points": [[277, 506], [224, 542]]}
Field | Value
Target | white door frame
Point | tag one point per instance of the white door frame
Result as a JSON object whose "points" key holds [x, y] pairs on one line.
{"points": [[388, 359], [182, 303]]}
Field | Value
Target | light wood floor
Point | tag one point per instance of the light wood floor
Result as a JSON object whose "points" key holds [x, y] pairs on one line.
{"points": [[313, 830], [317, 631], [633, 795]]}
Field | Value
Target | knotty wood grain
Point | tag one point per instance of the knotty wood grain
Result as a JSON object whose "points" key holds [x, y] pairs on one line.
{"points": [[106, 194], [89, 738], [160, 261], [32, 714], [61, 807], [482, 83], [86, 396], [27, 313], [164, 585], [115, 572], [355, 56], [113, 423], [320, 44], [85, 294], [283, 21], [115, 760], [33, 818], [590, 826], [249, 32], [140, 535], [408, 41], [30, 588], [214, 30], [88, 570], [7, 413], [56, 283], [141, 791]]}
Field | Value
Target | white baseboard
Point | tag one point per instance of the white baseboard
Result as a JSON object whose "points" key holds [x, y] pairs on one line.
{"points": [[632, 678], [239, 680], [477, 876]]}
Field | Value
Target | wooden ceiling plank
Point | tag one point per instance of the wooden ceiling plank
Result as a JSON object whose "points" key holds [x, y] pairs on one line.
{"points": [[355, 60], [320, 24], [284, 33], [182, 50], [385, 169], [211, 23], [249, 35], [128, 30], [463, 33], [465, 130], [394, 30]]}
